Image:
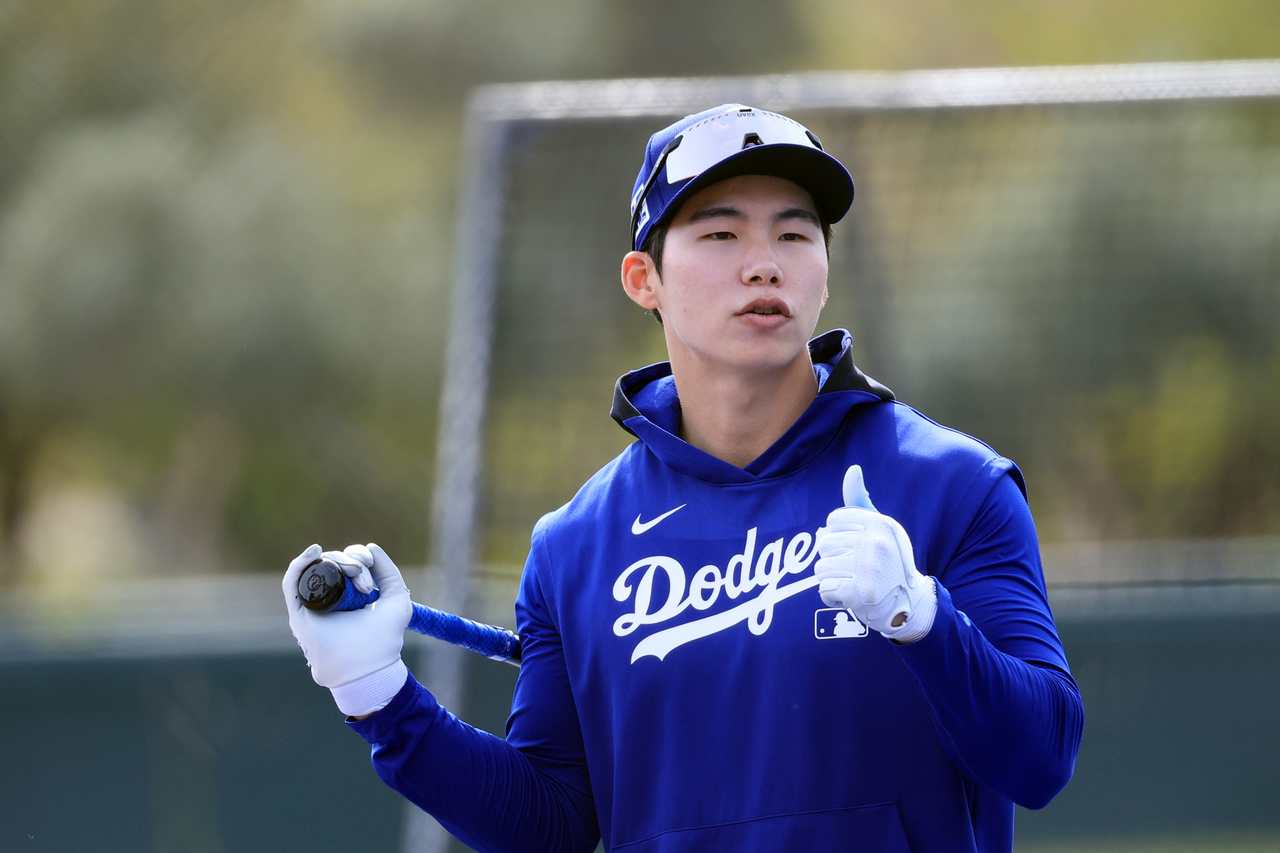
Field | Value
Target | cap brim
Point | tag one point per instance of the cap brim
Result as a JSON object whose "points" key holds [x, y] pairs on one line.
{"points": [[827, 181]]}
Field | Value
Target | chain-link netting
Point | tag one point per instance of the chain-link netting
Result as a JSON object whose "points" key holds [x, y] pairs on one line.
{"points": [[1093, 289]]}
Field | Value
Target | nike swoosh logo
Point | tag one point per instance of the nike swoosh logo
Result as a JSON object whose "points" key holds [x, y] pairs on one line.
{"points": [[637, 528]]}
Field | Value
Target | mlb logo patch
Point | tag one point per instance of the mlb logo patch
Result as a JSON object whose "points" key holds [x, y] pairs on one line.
{"points": [[833, 623]]}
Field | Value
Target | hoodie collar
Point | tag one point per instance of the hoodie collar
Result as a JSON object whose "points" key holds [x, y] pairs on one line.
{"points": [[646, 405]]}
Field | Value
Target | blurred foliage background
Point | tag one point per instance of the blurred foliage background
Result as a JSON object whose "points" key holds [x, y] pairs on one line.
{"points": [[226, 232], [1094, 290]]}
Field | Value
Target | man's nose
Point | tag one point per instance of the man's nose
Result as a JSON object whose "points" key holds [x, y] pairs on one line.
{"points": [[761, 267]]}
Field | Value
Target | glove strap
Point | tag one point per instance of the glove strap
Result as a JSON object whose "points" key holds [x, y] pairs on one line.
{"points": [[921, 621]]}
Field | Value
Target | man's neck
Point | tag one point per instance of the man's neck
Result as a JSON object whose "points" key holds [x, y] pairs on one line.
{"points": [[736, 416]]}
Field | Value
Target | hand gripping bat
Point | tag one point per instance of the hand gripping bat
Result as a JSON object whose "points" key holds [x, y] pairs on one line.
{"points": [[323, 587]]}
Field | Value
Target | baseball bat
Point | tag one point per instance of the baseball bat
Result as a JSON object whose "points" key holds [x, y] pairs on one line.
{"points": [[323, 587]]}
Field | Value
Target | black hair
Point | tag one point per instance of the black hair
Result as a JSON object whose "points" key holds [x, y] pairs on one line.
{"points": [[657, 238]]}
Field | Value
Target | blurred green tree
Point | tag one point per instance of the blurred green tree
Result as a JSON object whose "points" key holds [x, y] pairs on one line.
{"points": [[195, 312]]}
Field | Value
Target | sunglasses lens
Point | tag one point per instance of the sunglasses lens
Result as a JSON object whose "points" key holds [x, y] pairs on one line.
{"points": [[712, 140]]}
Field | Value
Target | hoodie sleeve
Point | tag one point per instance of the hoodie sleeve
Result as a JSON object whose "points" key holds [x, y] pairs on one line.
{"points": [[992, 668], [530, 792]]}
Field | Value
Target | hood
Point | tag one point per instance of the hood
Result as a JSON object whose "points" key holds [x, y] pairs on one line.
{"points": [[645, 404]]}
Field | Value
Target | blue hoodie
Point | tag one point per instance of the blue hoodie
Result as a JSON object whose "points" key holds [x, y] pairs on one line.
{"points": [[684, 688]]}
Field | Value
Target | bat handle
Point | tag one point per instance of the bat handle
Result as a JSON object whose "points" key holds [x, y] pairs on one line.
{"points": [[323, 587], [489, 640]]}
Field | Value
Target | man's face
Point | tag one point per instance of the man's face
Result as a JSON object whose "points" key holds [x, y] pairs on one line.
{"points": [[744, 275]]}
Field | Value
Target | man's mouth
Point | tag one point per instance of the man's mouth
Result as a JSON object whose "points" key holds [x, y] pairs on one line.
{"points": [[767, 307]]}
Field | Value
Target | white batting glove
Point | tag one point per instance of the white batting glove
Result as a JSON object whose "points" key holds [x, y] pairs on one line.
{"points": [[354, 563], [355, 653], [865, 564]]}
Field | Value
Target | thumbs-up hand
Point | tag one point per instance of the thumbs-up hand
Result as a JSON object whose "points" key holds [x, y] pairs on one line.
{"points": [[865, 564]]}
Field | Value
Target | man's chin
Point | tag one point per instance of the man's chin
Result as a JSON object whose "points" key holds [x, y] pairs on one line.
{"points": [[774, 361]]}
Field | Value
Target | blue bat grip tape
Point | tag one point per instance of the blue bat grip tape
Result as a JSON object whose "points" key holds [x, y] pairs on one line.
{"points": [[490, 641], [487, 640], [354, 599]]}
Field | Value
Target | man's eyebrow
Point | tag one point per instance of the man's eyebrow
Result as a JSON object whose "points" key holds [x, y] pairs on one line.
{"points": [[717, 212], [798, 213]]}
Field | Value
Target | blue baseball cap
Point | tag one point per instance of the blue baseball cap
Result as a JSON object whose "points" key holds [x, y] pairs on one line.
{"points": [[727, 141]]}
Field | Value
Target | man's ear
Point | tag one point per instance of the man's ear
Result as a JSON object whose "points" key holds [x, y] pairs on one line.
{"points": [[640, 278]]}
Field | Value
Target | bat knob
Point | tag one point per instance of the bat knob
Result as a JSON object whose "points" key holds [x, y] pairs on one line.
{"points": [[321, 585]]}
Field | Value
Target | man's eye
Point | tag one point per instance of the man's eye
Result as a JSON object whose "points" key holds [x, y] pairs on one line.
{"points": [[792, 236], [721, 235]]}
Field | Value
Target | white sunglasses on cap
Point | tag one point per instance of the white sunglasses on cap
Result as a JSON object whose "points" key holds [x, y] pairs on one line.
{"points": [[703, 145]]}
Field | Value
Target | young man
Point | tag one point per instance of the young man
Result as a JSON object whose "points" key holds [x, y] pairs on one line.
{"points": [[727, 646]]}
